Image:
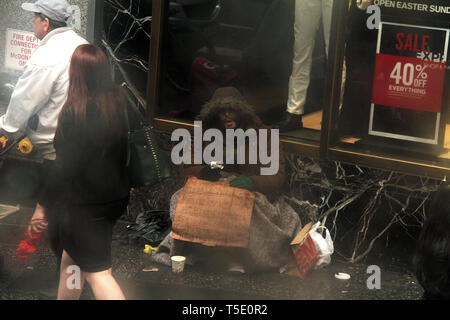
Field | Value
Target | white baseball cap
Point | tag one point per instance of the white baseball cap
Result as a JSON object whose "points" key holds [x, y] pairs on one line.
{"points": [[57, 10]]}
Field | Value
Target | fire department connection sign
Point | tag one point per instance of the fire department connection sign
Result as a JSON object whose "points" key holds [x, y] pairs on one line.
{"points": [[410, 69], [19, 47]]}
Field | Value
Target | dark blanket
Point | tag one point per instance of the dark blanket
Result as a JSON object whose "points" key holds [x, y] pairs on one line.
{"points": [[272, 227]]}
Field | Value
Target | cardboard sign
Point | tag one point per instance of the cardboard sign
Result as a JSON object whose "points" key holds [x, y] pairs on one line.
{"points": [[213, 214], [303, 255], [20, 45]]}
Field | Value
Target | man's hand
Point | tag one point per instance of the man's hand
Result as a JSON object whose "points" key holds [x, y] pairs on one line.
{"points": [[242, 182], [38, 222]]}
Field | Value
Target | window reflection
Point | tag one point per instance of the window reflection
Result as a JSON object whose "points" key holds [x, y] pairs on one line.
{"points": [[126, 39], [246, 44], [395, 99], [309, 14]]}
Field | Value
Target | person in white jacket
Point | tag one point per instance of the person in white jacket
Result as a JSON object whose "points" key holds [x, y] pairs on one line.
{"points": [[308, 14], [41, 90]]}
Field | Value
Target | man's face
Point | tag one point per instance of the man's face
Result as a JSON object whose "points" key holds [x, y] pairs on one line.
{"points": [[229, 119], [40, 26]]}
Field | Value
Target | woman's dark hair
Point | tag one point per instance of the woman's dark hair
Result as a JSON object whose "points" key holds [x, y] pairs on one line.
{"points": [[90, 81], [432, 256]]}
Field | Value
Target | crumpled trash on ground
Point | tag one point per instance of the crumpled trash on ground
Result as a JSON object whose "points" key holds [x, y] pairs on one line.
{"points": [[150, 228], [149, 249], [151, 269]]}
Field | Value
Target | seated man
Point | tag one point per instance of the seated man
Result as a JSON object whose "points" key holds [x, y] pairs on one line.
{"points": [[228, 110], [273, 221]]}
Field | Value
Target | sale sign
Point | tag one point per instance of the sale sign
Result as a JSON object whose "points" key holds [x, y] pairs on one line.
{"points": [[20, 45], [409, 83], [410, 67]]}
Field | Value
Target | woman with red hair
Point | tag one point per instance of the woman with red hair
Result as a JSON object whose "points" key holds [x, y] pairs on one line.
{"points": [[88, 185]]}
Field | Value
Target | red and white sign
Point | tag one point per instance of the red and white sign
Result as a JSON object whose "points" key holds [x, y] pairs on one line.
{"points": [[20, 45], [409, 78], [410, 83]]}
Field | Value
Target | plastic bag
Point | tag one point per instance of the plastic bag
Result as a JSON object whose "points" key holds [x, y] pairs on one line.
{"points": [[151, 227], [324, 246], [29, 244]]}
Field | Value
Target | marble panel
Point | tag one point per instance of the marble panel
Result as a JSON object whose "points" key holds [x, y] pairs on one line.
{"points": [[126, 37]]}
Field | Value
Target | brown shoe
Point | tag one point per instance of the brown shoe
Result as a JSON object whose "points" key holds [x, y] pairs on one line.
{"points": [[290, 122]]}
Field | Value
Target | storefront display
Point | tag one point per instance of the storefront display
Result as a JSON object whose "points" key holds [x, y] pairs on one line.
{"points": [[408, 82], [396, 99]]}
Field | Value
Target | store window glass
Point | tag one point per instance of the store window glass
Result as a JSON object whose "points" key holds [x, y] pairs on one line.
{"points": [[395, 77], [249, 45], [126, 37]]}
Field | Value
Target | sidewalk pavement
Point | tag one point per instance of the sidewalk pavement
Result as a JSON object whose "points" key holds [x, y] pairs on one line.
{"points": [[36, 279]]}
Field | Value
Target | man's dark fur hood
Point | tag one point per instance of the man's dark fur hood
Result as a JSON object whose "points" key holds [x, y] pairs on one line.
{"points": [[228, 99]]}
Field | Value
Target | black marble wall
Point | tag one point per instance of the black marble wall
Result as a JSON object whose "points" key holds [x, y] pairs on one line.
{"points": [[364, 208], [126, 37]]}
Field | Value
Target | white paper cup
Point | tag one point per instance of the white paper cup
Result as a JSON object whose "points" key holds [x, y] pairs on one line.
{"points": [[178, 263], [342, 276]]}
